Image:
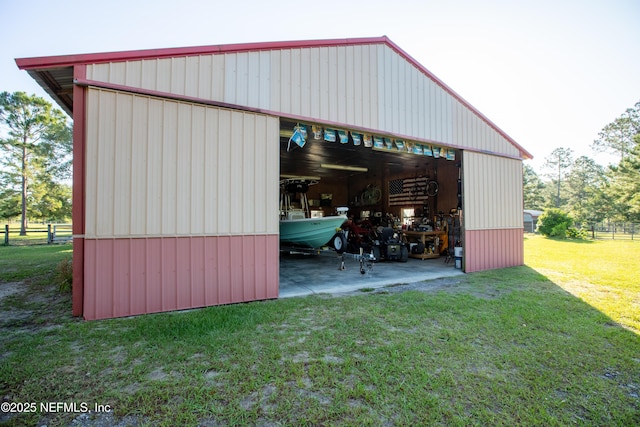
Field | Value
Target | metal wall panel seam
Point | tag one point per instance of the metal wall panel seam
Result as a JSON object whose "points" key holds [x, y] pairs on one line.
{"points": [[264, 75], [122, 164], [181, 75], [209, 195], [247, 166], [295, 94], [374, 88], [350, 84], [285, 80], [242, 81], [305, 82], [107, 161], [135, 167], [197, 167], [191, 75], [325, 84], [358, 80], [224, 157], [333, 85], [231, 76], [160, 75], [343, 100]]}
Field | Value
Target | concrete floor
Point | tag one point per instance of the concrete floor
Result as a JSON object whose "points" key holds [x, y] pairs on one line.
{"points": [[314, 274]]}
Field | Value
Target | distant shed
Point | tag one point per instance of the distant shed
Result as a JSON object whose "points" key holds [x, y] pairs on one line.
{"points": [[531, 220]]}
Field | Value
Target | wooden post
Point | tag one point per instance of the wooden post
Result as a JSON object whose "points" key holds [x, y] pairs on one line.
{"points": [[49, 235], [6, 234]]}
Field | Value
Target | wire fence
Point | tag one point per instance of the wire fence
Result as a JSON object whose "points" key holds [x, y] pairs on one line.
{"points": [[46, 234], [615, 231]]}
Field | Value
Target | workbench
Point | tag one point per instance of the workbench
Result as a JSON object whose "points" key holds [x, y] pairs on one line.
{"points": [[425, 237]]}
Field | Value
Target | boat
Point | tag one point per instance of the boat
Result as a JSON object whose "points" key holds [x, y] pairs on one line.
{"points": [[298, 229], [310, 232]]}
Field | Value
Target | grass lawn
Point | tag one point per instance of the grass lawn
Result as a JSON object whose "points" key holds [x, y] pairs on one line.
{"points": [[556, 342], [605, 274]]}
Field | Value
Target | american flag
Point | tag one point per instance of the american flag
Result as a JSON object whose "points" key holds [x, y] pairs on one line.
{"points": [[408, 191]]}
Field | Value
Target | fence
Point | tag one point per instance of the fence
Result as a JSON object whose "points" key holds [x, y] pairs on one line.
{"points": [[615, 230], [37, 235]]}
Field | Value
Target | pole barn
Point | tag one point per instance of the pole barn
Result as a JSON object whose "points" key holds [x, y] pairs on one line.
{"points": [[179, 153]]}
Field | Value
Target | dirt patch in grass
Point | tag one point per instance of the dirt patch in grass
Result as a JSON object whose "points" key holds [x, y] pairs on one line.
{"points": [[11, 288], [27, 307]]}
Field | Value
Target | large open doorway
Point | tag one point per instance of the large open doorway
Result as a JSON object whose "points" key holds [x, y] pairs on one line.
{"points": [[384, 182]]}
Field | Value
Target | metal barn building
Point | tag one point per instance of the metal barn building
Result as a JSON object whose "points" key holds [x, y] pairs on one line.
{"points": [[178, 154]]}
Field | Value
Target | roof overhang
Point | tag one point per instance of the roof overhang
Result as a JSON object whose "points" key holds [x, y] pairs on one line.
{"points": [[58, 83]]}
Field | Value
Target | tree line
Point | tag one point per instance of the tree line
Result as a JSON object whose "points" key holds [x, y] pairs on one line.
{"points": [[587, 191]]}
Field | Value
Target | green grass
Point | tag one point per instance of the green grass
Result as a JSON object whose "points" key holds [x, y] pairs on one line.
{"points": [[604, 273], [506, 347], [31, 262]]}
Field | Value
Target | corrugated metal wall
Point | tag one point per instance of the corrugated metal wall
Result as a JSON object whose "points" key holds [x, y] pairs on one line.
{"points": [[492, 191], [493, 208], [181, 205], [489, 249], [153, 168], [125, 277], [368, 86]]}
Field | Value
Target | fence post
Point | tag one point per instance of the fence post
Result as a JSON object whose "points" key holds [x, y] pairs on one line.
{"points": [[6, 234], [49, 235]]}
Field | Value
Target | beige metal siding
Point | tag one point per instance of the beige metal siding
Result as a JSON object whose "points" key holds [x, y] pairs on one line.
{"points": [[369, 86], [328, 83], [410, 103], [337, 84], [492, 192], [474, 132], [165, 168]]}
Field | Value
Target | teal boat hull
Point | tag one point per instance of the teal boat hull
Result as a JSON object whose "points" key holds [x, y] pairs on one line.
{"points": [[310, 232]]}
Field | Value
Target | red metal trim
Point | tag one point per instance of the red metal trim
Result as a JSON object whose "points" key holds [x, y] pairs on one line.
{"points": [[131, 55], [78, 209]]}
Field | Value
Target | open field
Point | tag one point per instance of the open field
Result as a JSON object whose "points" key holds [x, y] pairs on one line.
{"points": [[556, 342]]}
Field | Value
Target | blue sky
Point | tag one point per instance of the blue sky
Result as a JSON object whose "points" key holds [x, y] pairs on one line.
{"points": [[549, 73]]}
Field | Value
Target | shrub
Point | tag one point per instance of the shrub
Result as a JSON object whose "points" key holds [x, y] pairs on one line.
{"points": [[575, 233], [555, 223], [559, 230], [64, 275]]}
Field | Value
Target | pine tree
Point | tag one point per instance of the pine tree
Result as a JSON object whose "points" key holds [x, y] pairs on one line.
{"points": [[36, 148]]}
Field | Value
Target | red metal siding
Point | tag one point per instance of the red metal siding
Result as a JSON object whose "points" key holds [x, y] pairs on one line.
{"points": [[125, 277], [496, 248]]}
